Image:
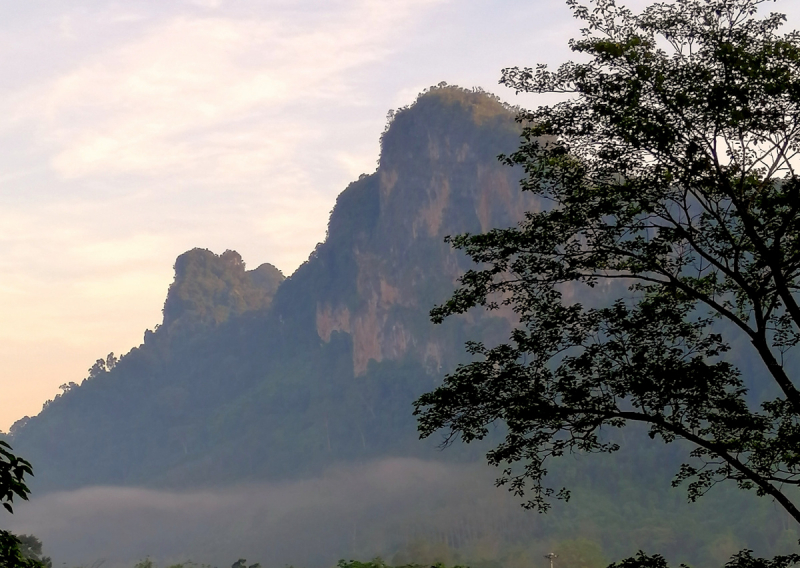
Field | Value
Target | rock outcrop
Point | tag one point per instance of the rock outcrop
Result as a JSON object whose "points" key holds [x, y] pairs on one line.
{"points": [[209, 289]]}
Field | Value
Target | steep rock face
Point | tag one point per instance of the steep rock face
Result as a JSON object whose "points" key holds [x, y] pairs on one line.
{"points": [[438, 175]]}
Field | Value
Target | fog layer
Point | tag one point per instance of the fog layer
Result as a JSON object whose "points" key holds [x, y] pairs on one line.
{"points": [[353, 511]]}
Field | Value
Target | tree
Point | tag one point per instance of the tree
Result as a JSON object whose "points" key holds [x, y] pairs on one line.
{"points": [[242, 563], [12, 484], [30, 547], [670, 205], [100, 367]]}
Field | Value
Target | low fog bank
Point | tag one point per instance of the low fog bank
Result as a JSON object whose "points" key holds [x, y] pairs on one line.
{"points": [[405, 510], [353, 511]]}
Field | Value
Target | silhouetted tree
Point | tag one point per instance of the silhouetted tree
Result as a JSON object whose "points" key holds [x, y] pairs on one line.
{"points": [[669, 173], [12, 484]]}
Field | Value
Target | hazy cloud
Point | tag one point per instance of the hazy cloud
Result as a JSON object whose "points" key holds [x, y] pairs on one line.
{"points": [[353, 511]]}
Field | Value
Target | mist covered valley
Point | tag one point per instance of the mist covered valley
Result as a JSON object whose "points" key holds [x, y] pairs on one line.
{"points": [[404, 510]]}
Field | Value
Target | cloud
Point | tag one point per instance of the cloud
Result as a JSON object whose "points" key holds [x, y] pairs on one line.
{"points": [[198, 94]]}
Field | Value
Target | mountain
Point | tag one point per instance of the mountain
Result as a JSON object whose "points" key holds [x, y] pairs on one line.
{"points": [[283, 377], [253, 377]]}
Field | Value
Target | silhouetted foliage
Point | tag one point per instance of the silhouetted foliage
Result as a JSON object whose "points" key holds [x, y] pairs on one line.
{"points": [[670, 229], [13, 470]]}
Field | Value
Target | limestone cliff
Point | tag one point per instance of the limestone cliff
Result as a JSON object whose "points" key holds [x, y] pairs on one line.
{"points": [[438, 175]]}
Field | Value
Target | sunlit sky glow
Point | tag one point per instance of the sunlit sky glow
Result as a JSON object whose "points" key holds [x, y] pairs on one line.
{"points": [[134, 131]]}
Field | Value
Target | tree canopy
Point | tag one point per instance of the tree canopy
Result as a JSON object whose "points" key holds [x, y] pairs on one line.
{"points": [[669, 230]]}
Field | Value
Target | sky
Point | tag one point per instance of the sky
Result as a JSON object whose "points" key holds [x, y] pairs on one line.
{"points": [[134, 131]]}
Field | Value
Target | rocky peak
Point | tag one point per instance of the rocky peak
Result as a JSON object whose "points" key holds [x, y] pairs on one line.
{"points": [[208, 289], [438, 175]]}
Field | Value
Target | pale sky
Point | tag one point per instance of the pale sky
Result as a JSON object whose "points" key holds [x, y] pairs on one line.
{"points": [[135, 130]]}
